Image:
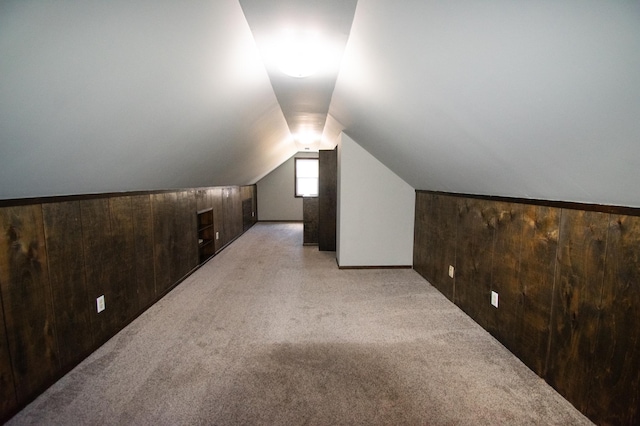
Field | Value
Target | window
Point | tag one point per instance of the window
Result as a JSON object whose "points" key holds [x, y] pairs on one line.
{"points": [[306, 170]]}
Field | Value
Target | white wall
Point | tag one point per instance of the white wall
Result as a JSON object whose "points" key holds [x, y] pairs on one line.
{"points": [[276, 199], [375, 211]]}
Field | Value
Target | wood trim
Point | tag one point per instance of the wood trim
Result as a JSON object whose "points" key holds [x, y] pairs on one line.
{"points": [[280, 221], [375, 267], [11, 202], [601, 208]]}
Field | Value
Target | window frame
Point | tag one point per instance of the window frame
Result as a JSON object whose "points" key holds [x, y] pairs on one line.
{"points": [[295, 176]]}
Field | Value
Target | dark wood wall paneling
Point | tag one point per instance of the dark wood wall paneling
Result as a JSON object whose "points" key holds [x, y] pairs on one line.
{"points": [[248, 194], [569, 289], [71, 298], [27, 301], [327, 198], [143, 239], [57, 255], [310, 220], [217, 195]]}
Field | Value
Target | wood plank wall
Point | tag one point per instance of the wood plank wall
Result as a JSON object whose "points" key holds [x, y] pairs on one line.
{"points": [[57, 255], [569, 290]]}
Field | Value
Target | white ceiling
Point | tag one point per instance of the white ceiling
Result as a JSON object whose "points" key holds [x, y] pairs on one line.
{"points": [[304, 101], [535, 99]]}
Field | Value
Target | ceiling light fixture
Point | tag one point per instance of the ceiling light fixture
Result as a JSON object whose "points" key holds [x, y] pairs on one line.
{"points": [[306, 137], [300, 53]]}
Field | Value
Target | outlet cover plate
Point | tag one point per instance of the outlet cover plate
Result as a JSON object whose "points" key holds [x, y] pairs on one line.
{"points": [[100, 304], [451, 271], [494, 299]]}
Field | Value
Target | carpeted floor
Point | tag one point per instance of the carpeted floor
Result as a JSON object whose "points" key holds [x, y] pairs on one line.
{"points": [[272, 333]]}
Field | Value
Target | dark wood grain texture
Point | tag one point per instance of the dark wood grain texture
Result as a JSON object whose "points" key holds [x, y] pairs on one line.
{"points": [[236, 212], [175, 237], [443, 232], [247, 211], [227, 215], [206, 236], [476, 228], [232, 215], [505, 273], [102, 267], [143, 240], [327, 199], [122, 239], [184, 231], [72, 303], [60, 256], [310, 220], [576, 304], [27, 300], [203, 199], [540, 234], [8, 402], [163, 240], [422, 240], [248, 206], [569, 289], [602, 208], [615, 378], [217, 195]]}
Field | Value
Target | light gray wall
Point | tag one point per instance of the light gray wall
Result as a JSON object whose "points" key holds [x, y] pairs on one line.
{"points": [[276, 200], [375, 211]]}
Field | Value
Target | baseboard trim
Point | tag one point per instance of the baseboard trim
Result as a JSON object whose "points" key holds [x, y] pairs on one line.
{"points": [[375, 266]]}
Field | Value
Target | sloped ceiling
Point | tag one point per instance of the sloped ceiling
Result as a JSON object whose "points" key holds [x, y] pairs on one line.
{"points": [[102, 96], [535, 99]]}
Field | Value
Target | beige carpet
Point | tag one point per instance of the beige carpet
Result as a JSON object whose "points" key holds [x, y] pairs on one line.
{"points": [[271, 332]]}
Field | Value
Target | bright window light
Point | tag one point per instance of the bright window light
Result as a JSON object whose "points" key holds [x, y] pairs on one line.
{"points": [[306, 171]]}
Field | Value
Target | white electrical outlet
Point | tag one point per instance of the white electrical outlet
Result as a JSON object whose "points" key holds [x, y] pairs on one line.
{"points": [[494, 299], [100, 303], [451, 271], [217, 235]]}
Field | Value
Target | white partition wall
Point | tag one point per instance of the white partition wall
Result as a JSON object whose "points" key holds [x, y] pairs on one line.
{"points": [[375, 211]]}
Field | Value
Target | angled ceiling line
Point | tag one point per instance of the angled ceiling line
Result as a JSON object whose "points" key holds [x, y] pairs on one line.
{"points": [[304, 101]]}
